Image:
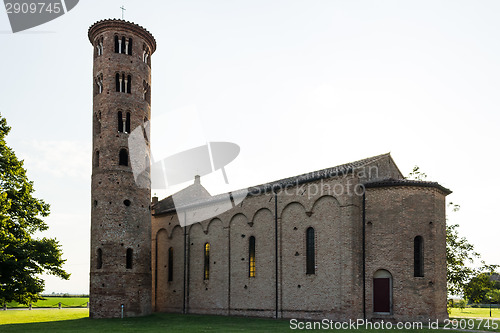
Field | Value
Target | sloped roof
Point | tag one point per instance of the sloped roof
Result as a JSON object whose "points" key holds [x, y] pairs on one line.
{"points": [[407, 182], [193, 193], [167, 205]]}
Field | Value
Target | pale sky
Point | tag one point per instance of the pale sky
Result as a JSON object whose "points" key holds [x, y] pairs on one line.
{"points": [[298, 85]]}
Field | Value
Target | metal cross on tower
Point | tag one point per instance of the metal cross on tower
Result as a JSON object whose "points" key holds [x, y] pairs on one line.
{"points": [[123, 10]]}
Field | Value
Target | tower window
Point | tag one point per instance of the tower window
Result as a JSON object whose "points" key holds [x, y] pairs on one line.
{"points": [[123, 45], [118, 82], [123, 157], [418, 256], [99, 47], [98, 84], [129, 50], [123, 83], [97, 123], [251, 256], [146, 92], [130, 254], [146, 54], [127, 123], [99, 259], [120, 121], [96, 159], [206, 261], [310, 260], [170, 264]]}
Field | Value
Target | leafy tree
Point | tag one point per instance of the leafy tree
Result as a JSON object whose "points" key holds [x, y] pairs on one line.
{"points": [[22, 257], [493, 296], [461, 304], [460, 255], [416, 174], [478, 288]]}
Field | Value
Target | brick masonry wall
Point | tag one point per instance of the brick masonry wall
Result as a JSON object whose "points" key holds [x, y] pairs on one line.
{"points": [[117, 224], [395, 216]]}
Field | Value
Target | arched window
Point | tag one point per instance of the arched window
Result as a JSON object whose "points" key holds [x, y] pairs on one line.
{"points": [[146, 92], [123, 157], [96, 159], [206, 261], [418, 256], [123, 83], [98, 84], [129, 46], [146, 54], [170, 264], [251, 256], [128, 81], [117, 46], [130, 254], [99, 259], [122, 45], [147, 163], [127, 123], [310, 260], [97, 123], [99, 47], [120, 121], [118, 82]]}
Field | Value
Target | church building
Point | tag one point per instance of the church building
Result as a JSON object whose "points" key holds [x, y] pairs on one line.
{"points": [[349, 242], [355, 241]]}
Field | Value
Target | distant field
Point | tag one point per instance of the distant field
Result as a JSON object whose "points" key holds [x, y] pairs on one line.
{"points": [[475, 313], [40, 315], [53, 302]]}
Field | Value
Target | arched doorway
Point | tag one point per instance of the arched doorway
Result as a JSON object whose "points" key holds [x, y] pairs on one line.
{"points": [[382, 292]]}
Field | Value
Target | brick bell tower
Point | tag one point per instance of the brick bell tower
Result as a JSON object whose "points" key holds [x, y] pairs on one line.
{"points": [[120, 258]]}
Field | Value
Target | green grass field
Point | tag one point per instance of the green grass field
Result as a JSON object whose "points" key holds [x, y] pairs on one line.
{"points": [[53, 302], [76, 320], [475, 313]]}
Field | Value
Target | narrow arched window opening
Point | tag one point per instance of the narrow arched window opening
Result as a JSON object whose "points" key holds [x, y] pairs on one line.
{"points": [[146, 92], [96, 159], [123, 83], [123, 157], [99, 259], [118, 82], [130, 254], [120, 121], [127, 123], [418, 257], [121, 43], [206, 262], [129, 46], [128, 82], [310, 255], [170, 264], [117, 49], [97, 123], [251, 256], [98, 88], [99, 47], [147, 163]]}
